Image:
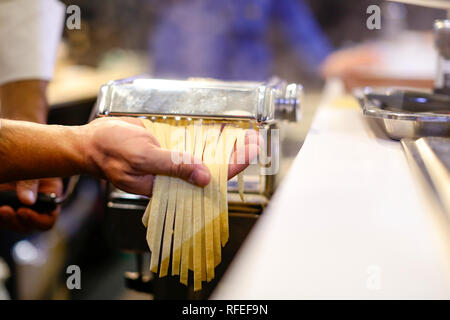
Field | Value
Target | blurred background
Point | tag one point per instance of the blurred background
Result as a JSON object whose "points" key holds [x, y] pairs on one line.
{"points": [[304, 41]]}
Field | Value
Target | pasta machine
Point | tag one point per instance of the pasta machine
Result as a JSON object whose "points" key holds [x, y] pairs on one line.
{"points": [[261, 104]]}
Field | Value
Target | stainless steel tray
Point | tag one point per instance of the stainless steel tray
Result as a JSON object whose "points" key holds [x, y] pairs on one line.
{"points": [[432, 157], [398, 123]]}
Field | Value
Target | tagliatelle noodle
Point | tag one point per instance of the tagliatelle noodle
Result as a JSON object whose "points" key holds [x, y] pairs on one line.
{"points": [[197, 213], [188, 221], [213, 134], [229, 135], [145, 218], [240, 143], [159, 201], [186, 253], [216, 199], [173, 142], [179, 213]]}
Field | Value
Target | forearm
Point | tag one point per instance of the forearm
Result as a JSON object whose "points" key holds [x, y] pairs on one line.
{"points": [[24, 100], [31, 151]]}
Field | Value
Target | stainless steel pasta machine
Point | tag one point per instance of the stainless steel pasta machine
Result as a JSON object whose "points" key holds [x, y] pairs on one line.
{"points": [[262, 104]]}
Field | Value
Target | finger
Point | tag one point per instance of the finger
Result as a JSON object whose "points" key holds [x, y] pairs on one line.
{"points": [[27, 191], [17, 226], [253, 137], [178, 165], [51, 185], [251, 152], [6, 214], [31, 220], [8, 186], [246, 155], [22, 219], [34, 220], [9, 220], [142, 185]]}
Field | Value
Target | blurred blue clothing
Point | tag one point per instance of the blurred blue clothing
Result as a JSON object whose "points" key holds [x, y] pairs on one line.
{"points": [[228, 39]]}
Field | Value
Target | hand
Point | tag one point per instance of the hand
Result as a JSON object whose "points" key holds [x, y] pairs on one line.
{"points": [[348, 61], [352, 65], [124, 152], [25, 220]]}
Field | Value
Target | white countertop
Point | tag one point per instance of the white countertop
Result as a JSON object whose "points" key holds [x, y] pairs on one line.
{"points": [[351, 220]]}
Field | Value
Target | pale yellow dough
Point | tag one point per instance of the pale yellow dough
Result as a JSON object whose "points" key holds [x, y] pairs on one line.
{"points": [[185, 223]]}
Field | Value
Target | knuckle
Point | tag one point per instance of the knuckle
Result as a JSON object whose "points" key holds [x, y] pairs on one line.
{"points": [[176, 169], [137, 160]]}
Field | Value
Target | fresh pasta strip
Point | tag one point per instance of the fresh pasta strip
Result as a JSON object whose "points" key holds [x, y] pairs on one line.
{"points": [[216, 215], [205, 133], [229, 135], [170, 214], [145, 218], [209, 159], [178, 230], [146, 215], [197, 214], [162, 131], [191, 243], [217, 204], [179, 214], [202, 233], [223, 175], [158, 208], [187, 235], [240, 143], [186, 253], [185, 223], [168, 227]]}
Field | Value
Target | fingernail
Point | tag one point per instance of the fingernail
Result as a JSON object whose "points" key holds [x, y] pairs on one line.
{"points": [[200, 176], [31, 197]]}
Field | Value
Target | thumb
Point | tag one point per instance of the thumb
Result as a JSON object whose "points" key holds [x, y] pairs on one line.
{"points": [[176, 164], [27, 191]]}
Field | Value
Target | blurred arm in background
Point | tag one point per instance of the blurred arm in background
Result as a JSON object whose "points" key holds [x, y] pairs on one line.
{"points": [[348, 64], [303, 32], [387, 56], [30, 31], [230, 39]]}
